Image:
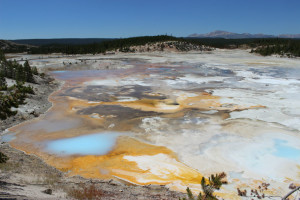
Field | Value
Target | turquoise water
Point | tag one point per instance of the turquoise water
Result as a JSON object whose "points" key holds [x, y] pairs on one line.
{"points": [[285, 151], [94, 144]]}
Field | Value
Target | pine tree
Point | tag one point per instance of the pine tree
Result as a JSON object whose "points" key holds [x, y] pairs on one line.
{"points": [[10, 70], [28, 72], [20, 74], [2, 56], [208, 187], [35, 71], [3, 158], [3, 85]]}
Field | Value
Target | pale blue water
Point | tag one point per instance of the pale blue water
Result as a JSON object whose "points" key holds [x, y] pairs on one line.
{"points": [[285, 151], [58, 71], [52, 125], [8, 137], [94, 144], [73, 75]]}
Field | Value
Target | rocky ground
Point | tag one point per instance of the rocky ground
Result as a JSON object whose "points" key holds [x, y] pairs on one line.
{"points": [[36, 104], [28, 177]]}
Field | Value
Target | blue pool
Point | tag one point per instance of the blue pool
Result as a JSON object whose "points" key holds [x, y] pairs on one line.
{"points": [[285, 151], [93, 144]]}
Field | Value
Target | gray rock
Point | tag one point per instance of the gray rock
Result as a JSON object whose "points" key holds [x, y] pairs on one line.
{"points": [[48, 191]]}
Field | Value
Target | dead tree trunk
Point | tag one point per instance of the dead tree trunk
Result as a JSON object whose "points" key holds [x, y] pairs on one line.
{"points": [[291, 192]]}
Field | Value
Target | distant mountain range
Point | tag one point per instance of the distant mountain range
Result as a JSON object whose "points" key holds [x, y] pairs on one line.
{"points": [[230, 35]]}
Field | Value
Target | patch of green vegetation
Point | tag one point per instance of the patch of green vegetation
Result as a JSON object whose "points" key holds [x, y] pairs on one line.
{"points": [[15, 95], [3, 158], [262, 46], [284, 47], [13, 70], [213, 183]]}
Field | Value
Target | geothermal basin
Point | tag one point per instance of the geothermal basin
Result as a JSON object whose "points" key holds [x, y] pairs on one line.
{"points": [[171, 118]]}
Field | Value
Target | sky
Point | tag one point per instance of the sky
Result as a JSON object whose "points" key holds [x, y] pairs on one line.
{"points": [[27, 19]]}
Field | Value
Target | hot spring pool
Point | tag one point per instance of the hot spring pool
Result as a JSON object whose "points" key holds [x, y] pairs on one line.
{"points": [[93, 144]]}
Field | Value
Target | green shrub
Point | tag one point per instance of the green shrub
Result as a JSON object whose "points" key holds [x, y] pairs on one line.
{"points": [[3, 158], [213, 183]]}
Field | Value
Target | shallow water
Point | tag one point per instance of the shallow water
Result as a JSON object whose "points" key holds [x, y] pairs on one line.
{"points": [[93, 144], [286, 151], [8, 137]]}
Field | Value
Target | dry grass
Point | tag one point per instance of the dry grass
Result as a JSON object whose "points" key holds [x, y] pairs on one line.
{"points": [[85, 192], [51, 179]]}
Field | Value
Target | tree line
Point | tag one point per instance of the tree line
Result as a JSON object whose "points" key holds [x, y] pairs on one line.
{"points": [[102, 47], [264, 46], [287, 47]]}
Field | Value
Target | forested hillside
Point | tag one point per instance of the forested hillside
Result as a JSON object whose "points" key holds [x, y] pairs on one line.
{"points": [[265, 47], [122, 45], [284, 47], [102, 47], [9, 46], [14, 95]]}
